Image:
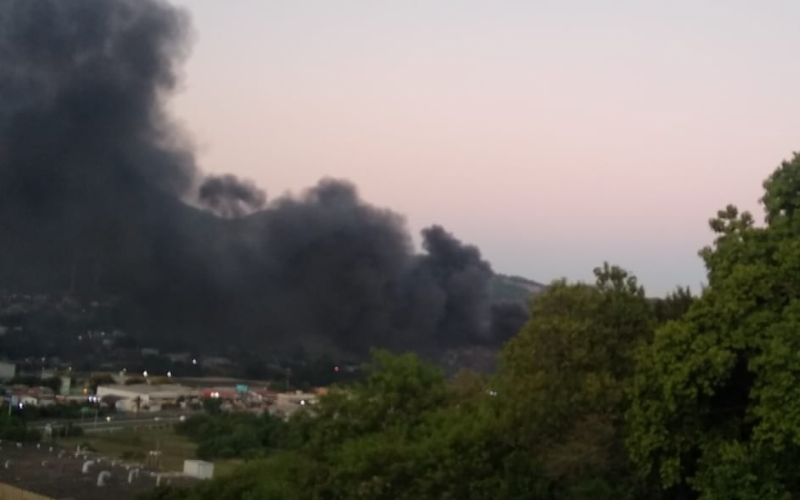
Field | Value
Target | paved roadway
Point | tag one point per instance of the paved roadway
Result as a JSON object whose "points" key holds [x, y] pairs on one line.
{"points": [[118, 421]]}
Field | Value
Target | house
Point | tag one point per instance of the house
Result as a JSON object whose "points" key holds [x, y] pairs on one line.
{"points": [[34, 396]]}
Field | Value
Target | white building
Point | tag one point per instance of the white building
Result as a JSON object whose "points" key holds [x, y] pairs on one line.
{"points": [[198, 469], [145, 397], [296, 398], [7, 370], [288, 403], [31, 400]]}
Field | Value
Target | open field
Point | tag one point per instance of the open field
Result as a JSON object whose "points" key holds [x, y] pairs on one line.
{"points": [[134, 444]]}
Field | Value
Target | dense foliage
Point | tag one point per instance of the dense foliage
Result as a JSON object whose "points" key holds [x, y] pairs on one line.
{"points": [[236, 435], [14, 428], [71, 410], [716, 401], [604, 394]]}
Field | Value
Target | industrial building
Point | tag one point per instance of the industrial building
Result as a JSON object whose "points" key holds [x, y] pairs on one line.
{"points": [[288, 403], [144, 397]]}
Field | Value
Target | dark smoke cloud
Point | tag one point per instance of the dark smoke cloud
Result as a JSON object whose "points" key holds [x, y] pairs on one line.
{"points": [[508, 318], [94, 186], [90, 166], [229, 197]]}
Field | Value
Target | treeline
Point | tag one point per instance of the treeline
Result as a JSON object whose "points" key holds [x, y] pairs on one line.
{"points": [[238, 435], [16, 429], [603, 395]]}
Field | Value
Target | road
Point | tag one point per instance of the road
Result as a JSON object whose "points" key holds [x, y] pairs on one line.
{"points": [[117, 422]]}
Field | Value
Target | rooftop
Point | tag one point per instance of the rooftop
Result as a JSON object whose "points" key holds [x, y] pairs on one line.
{"points": [[147, 389]]}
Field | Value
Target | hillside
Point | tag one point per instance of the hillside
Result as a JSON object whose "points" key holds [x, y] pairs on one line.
{"points": [[507, 288]]}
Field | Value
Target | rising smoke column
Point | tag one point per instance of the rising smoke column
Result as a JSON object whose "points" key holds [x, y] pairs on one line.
{"points": [[230, 197], [455, 278], [83, 86], [88, 157], [98, 191]]}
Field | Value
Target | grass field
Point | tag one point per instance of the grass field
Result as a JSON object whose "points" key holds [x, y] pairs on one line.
{"points": [[135, 444]]}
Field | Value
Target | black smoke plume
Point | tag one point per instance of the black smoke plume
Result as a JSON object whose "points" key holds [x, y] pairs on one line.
{"points": [[229, 197], [96, 195], [508, 318]]}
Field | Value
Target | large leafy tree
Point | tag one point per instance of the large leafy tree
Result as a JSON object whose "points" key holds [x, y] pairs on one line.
{"points": [[674, 305], [397, 393], [716, 398], [562, 381]]}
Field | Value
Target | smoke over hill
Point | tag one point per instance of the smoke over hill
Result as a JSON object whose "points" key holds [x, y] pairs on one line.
{"points": [[100, 192]]}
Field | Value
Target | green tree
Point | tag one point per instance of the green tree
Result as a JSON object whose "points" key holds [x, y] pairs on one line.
{"points": [[674, 305], [406, 434], [469, 384], [398, 390], [212, 406], [716, 398], [562, 382]]}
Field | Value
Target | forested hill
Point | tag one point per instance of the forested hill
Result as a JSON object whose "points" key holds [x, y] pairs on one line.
{"points": [[514, 288]]}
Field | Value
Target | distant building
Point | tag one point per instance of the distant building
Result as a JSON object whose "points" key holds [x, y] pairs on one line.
{"points": [[198, 469], [7, 370], [36, 400], [263, 395], [290, 402], [220, 393], [143, 396], [34, 396], [296, 398], [66, 386]]}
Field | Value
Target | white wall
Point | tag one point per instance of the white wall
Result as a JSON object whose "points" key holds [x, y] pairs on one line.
{"points": [[7, 370], [198, 469]]}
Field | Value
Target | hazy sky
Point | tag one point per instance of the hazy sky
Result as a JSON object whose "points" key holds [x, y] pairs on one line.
{"points": [[552, 134]]}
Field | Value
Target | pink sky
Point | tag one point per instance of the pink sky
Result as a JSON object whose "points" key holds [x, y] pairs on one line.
{"points": [[553, 135]]}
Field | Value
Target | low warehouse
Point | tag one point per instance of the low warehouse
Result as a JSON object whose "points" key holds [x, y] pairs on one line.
{"points": [[143, 396]]}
